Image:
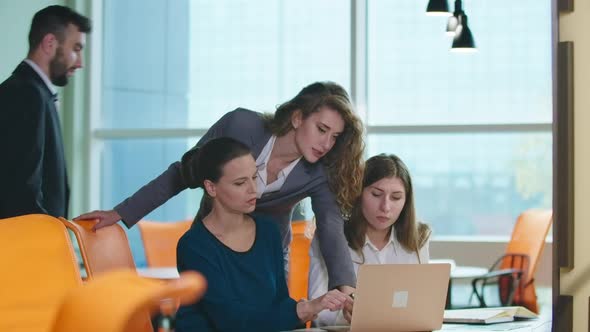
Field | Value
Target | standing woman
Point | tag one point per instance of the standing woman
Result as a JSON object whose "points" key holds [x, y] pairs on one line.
{"points": [[382, 229], [311, 146]]}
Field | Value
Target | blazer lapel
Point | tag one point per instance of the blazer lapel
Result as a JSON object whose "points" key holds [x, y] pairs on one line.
{"points": [[24, 69], [258, 143]]}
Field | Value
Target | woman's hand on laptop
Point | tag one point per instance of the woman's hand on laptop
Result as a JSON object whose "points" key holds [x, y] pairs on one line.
{"points": [[347, 310], [332, 300]]}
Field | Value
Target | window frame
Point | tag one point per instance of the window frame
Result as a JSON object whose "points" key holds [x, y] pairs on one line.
{"points": [[90, 163]]}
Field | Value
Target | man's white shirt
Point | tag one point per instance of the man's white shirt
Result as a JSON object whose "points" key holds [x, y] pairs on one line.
{"points": [[45, 79]]}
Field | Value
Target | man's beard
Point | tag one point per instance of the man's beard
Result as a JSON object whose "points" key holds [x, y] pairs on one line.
{"points": [[58, 69]]}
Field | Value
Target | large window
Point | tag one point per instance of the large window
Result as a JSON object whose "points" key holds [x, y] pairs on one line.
{"points": [[475, 129], [172, 68]]}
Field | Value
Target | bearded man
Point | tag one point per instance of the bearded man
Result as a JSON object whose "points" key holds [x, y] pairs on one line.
{"points": [[33, 176]]}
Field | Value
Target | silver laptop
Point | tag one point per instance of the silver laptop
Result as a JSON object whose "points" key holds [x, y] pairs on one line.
{"points": [[400, 297]]}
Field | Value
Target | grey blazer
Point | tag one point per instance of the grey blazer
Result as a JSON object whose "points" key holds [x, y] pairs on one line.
{"points": [[305, 180]]}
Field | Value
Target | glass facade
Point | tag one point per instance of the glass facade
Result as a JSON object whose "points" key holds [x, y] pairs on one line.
{"points": [[182, 64]]}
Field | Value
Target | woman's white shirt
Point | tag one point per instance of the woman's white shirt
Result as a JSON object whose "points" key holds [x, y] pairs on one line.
{"points": [[392, 253], [262, 185]]}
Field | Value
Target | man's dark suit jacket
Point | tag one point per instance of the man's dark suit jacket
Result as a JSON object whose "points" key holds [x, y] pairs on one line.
{"points": [[32, 168]]}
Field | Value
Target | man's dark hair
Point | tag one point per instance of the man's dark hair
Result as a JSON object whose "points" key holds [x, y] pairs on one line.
{"points": [[55, 20]]}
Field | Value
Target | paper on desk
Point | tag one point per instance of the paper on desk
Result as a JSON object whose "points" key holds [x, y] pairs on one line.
{"points": [[487, 315], [523, 326]]}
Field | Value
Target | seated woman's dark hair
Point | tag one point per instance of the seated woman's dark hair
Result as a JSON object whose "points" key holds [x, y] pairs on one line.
{"points": [[206, 162]]}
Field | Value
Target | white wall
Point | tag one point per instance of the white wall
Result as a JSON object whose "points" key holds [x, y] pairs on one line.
{"points": [[15, 20]]}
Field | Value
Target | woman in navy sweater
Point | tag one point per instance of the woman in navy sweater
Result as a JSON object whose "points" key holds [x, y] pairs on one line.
{"points": [[241, 257]]}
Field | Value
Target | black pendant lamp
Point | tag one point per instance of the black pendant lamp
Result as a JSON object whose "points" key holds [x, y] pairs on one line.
{"points": [[453, 21], [438, 8], [463, 41]]}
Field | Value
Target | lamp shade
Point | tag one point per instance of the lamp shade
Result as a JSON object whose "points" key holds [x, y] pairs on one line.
{"points": [[438, 8], [455, 19], [463, 41], [452, 25]]}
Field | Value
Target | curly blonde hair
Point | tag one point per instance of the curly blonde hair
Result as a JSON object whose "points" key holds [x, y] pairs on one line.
{"points": [[344, 161]]}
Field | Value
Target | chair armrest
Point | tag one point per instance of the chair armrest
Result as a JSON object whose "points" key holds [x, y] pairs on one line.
{"points": [[515, 273], [498, 273]]}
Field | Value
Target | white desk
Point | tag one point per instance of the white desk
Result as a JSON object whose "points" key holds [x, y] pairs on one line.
{"points": [[163, 273], [537, 325], [462, 272], [459, 272]]}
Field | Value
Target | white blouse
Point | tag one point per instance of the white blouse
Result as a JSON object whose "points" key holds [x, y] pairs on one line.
{"points": [[262, 185], [392, 253]]}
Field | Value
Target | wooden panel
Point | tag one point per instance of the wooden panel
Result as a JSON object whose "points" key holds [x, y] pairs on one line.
{"points": [[563, 154], [563, 313], [565, 5]]}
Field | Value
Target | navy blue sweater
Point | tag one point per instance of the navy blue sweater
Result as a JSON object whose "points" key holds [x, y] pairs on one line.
{"points": [[246, 291]]}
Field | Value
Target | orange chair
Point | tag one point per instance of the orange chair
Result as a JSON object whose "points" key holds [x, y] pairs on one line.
{"points": [[514, 272], [105, 250], [299, 260], [160, 240], [39, 267], [116, 301]]}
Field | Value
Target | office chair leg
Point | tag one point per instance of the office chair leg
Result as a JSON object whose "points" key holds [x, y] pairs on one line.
{"points": [[479, 296], [470, 298]]}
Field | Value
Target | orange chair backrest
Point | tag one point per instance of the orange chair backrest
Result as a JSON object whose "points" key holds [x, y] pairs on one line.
{"points": [[297, 280], [104, 250], [160, 240], [528, 237], [117, 301], [39, 267]]}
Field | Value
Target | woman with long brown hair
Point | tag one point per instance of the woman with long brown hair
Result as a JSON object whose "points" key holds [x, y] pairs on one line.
{"points": [[312, 146], [382, 229]]}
